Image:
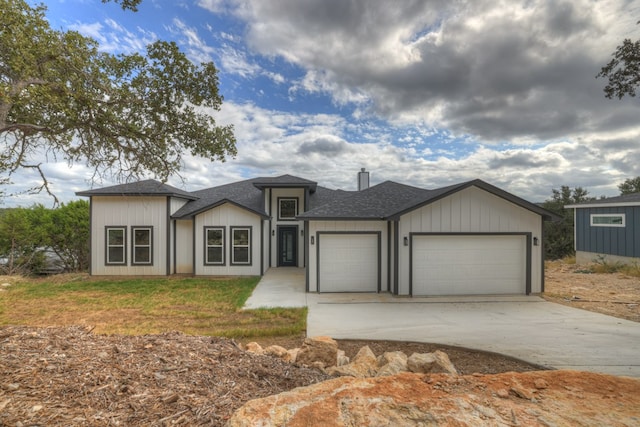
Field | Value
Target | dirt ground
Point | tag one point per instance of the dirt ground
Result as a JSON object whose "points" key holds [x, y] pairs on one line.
{"points": [[70, 376], [614, 294]]}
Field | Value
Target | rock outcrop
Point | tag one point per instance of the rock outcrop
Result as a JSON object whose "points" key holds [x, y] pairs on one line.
{"points": [[543, 398]]}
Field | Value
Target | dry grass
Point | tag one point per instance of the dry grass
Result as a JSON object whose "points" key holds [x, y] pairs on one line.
{"points": [[196, 306]]}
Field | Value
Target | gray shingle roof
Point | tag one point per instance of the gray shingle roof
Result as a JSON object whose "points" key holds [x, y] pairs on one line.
{"points": [[284, 181], [390, 200], [149, 187], [242, 193]]}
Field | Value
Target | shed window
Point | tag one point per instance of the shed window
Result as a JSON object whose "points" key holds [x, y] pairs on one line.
{"points": [[287, 208], [142, 245], [116, 246], [608, 220], [241, 245], [214, 246]]}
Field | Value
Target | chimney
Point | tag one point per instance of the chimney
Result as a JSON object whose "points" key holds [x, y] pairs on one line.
{"points": [[363, 179]]}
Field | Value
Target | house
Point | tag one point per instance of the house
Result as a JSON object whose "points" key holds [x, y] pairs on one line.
{"points": [[468, 238], [608, 228]]}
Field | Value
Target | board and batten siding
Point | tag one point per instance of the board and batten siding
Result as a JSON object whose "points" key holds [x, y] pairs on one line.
{"points": [[227, 216], [346, 227], [619, 241], [471, 210], [116, 211], [174, 205]]}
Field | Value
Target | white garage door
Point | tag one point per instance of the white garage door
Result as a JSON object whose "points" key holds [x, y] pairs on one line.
{"points": [[348, 263], [469, 265]]}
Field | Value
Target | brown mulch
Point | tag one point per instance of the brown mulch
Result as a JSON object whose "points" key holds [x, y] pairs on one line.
{"points": [[69, 376]]}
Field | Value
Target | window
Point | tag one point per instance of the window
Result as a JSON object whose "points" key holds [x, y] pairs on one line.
{"points": [[141, 245], [241, 245], [287, 208], [214, 245], [116, 246], [608, 220]]}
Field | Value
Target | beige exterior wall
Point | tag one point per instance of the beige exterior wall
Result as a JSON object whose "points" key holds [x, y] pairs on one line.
{"points": [[115, 211], [227, 216], [471, 210], [347, 226]]}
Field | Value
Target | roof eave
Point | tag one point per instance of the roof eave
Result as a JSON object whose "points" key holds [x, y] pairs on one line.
{"points": [[195, 213]]}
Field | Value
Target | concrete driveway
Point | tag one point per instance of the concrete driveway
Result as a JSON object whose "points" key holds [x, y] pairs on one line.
{"points": [[527, 328]]}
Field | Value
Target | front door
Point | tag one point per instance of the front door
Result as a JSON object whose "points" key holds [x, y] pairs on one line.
{"points": [[288, 246]]}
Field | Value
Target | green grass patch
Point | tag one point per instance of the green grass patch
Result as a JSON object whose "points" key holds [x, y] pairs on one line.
{"points": [[196, 306]]}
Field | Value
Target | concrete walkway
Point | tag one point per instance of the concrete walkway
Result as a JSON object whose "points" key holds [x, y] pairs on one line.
{"points": [[524, 327]]}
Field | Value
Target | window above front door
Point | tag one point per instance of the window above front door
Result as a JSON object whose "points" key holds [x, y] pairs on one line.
{"points": [[287, 208]]}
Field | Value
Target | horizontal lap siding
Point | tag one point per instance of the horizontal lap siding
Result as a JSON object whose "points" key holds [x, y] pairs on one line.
{"points": [[621, 241], [471, 210]]}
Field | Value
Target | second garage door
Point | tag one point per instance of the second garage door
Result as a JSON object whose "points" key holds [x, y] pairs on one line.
{"points": [[468, 264], [348, 262]]}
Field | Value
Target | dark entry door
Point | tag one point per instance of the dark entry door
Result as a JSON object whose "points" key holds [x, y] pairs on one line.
{"points": [[287, 246]]}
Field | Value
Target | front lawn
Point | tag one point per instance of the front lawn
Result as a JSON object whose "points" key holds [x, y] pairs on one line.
{"points": [[195, 306]]}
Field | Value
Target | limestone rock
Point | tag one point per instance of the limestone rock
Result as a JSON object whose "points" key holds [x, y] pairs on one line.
{"points": [[364, 365], [293, 354], [391, 363], [278, 351], [409, 399], [318, 349], [342, 358], [436, 362], [254, 347]]}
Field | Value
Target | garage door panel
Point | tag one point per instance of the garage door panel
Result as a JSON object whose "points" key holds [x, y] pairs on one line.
{"points": [[468, 264], [348, 263]]}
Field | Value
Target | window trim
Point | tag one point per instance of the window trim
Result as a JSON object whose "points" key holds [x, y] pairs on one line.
{"points": [[282, 199], [207, 246], [621, 215], [134, 246], [107, 246], [249, 245]]}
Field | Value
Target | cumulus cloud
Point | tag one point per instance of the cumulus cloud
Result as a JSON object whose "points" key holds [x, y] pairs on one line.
{"points": [[495, 70]]}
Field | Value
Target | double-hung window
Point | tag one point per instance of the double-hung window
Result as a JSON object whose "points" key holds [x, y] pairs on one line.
{"points": [[240, 245], [141, 243], [116, 250], [214, 245]]}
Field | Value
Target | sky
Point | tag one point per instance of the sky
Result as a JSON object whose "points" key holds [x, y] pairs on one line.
{"points": [[426, 93]]}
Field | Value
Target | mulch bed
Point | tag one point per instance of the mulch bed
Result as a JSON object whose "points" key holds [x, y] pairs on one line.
{"points": [[69, 376]]}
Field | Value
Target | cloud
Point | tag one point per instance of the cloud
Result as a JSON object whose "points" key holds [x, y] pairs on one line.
{"points": [[496, 70], [114, 38]]}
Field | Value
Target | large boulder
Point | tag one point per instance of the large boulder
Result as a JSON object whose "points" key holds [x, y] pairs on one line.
{"points": [[318, 351], [567, 398]]}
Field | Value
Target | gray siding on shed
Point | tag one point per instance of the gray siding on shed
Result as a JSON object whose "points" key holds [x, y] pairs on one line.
{"points": [[621, 241]]}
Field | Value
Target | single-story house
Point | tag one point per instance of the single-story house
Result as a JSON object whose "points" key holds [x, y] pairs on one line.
{"points": [[468, 238], [608, 228]]}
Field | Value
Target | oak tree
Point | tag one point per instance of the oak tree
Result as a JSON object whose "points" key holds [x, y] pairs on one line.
{"points": [[623, 71], [126, 115]]}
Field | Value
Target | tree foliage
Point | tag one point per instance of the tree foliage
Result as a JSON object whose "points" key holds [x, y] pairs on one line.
{"points": [[623, 71], [629, 186], [559, 234], [31, 239], [128, 115], [132, 5]]}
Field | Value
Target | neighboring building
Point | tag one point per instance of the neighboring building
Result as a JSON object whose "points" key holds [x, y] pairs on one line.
{"points": [[608, 228], [468, 238]]}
